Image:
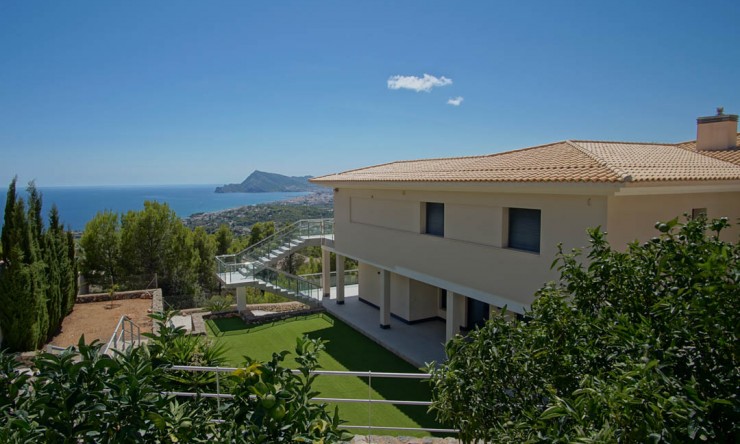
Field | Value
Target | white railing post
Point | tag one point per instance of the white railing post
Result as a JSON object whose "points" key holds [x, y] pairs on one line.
{"points": [[218, 389], [369, 403]]}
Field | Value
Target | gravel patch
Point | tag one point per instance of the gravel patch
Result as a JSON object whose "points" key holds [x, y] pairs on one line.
{"points": [[96, 320]]}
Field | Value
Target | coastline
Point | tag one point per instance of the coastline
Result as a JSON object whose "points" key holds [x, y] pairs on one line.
{"points": [[317, 204]]}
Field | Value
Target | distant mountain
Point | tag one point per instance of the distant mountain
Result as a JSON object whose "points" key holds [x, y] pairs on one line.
{"points": [[262, 182]]}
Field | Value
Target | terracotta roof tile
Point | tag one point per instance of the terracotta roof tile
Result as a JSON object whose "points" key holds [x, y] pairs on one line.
{"points": [[731, 155], [568, 161]]}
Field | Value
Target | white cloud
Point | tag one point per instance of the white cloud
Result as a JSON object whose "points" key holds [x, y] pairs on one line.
{"points": [[417, 84], [456, 101]]}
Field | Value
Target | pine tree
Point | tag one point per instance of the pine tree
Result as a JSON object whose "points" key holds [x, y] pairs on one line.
{"points": [[223, 237], [101, 244], [205, 253]]}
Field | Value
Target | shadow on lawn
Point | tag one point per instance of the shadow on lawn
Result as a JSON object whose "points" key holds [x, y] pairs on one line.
{"points": [[357, 352], [236, 326]]}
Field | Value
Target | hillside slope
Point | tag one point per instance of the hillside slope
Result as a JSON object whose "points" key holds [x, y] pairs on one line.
{"points": [[262, 182]]}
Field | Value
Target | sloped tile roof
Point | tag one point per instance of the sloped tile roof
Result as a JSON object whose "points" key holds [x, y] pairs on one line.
{"points": [[568, 161], [731, 155]]}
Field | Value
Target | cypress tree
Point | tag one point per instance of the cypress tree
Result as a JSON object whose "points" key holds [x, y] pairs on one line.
{"points": [[36, 257], [38, 281], [55, 253], [60, 245], [8, 234], [21, 283], [73, 286], [34, 211]]}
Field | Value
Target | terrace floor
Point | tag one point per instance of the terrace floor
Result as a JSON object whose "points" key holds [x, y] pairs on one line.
{"points": [[418, 343]]}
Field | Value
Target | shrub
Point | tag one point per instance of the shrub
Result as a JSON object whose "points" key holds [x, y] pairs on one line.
{"points": [[635, 346], [220, 303], [83, 395]]}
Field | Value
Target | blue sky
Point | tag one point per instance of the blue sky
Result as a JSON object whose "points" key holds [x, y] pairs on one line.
{"points": [[95, 93]]}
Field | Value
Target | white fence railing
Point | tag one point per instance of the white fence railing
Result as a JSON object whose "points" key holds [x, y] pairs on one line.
{"points": [[369, 401]]}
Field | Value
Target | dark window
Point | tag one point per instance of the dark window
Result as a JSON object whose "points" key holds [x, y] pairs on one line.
{"points": [[443, 299], [478, 313], [524, 229], [435, 223]]}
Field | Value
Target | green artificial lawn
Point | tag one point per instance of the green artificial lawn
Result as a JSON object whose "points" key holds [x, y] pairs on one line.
{"points": [[346, 349]]}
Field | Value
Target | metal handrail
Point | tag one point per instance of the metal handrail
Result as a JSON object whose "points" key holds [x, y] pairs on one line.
{"points": [[305, 227], [326, 226], [350, 277], [307, 291], [397, 375], [292, 276], [368, 374], [121, 335]]}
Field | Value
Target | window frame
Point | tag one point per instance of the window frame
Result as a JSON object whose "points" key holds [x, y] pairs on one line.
{"points": [[518, 214], [427, 212]]}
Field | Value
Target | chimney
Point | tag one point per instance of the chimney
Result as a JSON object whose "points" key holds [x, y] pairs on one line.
{"points": [[715, 133]]}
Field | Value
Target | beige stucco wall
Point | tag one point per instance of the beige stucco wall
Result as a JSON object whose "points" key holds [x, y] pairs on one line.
{"points": [[482, 224], [371, 211], [633, 217], [423, 301], [713, 136], [400, 296], [370, 286], [384, 228], [368, 281], [411, 300]]}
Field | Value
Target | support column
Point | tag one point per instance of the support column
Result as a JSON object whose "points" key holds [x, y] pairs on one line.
{"points": [[455, 314], [340, 279], [385, 299], [241, 299], [326, 272]]}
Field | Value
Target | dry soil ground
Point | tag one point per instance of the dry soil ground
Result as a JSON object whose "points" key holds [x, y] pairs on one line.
{"points": [[96, 320]]}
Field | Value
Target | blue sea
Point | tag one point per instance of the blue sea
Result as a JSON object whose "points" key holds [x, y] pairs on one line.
{"points": [[77, 205]]}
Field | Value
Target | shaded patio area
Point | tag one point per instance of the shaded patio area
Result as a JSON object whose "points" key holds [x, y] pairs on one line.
{"points": [[418, 343]]}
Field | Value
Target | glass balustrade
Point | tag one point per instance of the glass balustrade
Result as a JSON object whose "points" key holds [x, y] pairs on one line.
{"points": [[245, 265], [295, 285]]}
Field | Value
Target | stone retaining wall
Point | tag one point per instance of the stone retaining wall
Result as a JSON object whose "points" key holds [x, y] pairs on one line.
{"points": [[117, 296], [280, 311], [279, 307], [251, 319]]}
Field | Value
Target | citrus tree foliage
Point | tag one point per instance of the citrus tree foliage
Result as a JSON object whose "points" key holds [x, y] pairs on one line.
{"points": [[273, 404], [83, 395], [635, 346]]}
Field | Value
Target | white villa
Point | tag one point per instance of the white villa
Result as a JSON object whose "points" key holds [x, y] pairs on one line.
{"points": [[458, 237]]}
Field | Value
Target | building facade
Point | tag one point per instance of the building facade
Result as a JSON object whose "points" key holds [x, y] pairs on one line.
{"points": [[459, 238]]}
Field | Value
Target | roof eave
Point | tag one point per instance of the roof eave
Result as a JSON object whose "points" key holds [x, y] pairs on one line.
{"points": [[643, 188], [589, 188]]}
